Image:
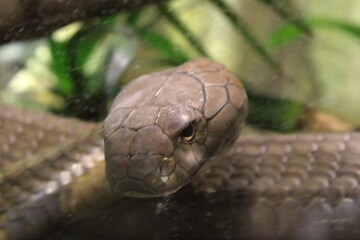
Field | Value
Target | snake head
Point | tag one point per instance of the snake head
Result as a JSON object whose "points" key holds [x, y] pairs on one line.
{"points": [[165, 128]]}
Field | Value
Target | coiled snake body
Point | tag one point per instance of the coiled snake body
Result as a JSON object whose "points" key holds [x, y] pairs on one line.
{"points": [[167, 129]]}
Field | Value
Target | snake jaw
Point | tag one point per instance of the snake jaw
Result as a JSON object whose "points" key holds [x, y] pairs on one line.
{"points": [[133, 188]]}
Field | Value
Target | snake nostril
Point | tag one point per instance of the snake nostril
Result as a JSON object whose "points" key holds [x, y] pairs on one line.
{"points": [[164, 179], [167, 166]]}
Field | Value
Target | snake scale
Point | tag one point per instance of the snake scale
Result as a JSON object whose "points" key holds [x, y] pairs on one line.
{"points": [[157, 139]]}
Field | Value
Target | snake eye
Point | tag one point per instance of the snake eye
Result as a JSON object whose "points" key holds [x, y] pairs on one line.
{"points": [[188, 134]]}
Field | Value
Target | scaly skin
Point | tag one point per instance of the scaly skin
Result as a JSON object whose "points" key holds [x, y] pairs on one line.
{"points": [[50, 167]]}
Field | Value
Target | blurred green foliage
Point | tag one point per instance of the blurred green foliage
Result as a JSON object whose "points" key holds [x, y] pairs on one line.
{"points": [[274, 114], [80, 64], [82, 61], [156, 40]]}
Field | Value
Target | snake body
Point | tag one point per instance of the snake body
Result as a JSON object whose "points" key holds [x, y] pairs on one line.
{"points": [[302, 186]]}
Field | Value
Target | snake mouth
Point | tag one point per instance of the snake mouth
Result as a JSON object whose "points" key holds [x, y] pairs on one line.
{"points": [[133, 188], [141, 189]]}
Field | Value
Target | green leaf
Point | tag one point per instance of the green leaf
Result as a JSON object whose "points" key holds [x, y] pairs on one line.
{"points": [[289, 32], [347, 27], [61, 67], [285, 35], [273, 114]]}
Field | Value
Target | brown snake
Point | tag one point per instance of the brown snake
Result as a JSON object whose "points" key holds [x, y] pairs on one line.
{"points": [[162, 132]]}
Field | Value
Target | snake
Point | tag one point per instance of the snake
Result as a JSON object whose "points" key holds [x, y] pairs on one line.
{"points": [[174, 135]]}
